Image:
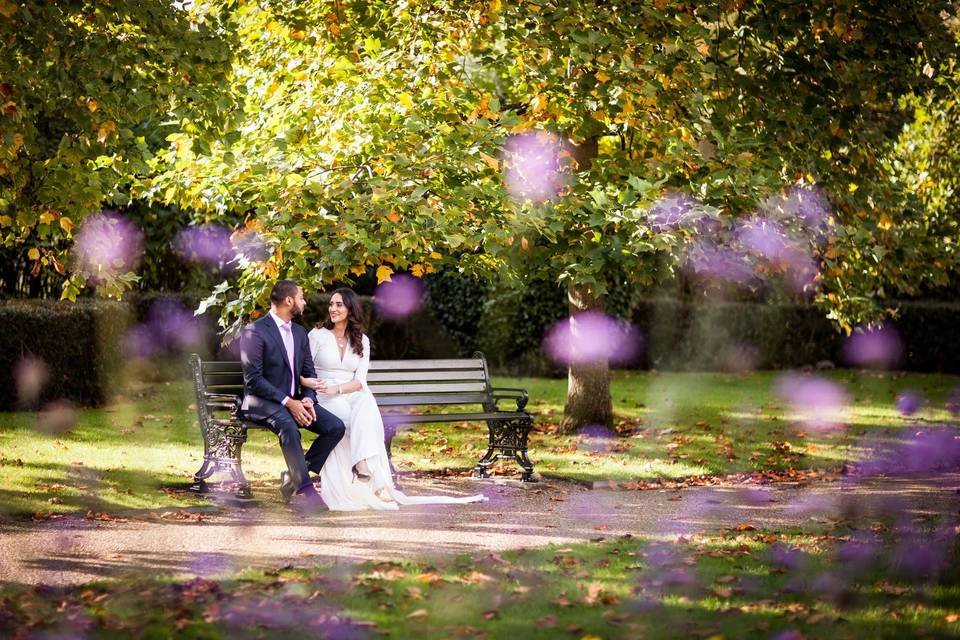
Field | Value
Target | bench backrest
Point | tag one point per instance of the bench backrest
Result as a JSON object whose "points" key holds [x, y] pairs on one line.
{"points": [[395, 383]]}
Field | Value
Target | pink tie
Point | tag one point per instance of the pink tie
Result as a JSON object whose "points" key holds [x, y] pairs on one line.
{"points": [[287, 335]]}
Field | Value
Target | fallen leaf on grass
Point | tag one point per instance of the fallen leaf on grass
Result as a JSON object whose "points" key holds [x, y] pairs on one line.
{"points": [[744, 527], [182, 515], [952, 617], [489, 615], [102, 517], [547, 622], [562, 601], [415, 593], [418, 614]]}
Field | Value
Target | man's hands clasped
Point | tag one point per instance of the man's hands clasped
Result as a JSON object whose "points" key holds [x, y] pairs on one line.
{"points": [[302, 411]]}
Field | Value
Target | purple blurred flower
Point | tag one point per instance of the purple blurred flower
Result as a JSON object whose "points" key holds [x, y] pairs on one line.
{"points": [[764, 238], [29, 375], [251, 246], [786, 557], [923, 452], [820, 403], [107, 244], [532, 166], [672, 211], [209, 243], [56, 417], [169, 328], [953, 402], [592, 336], [718, 263], [873, 347], [908, 402], [811, 207], [399, 297]]}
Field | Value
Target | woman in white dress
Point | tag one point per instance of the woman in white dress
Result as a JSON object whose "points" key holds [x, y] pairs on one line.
{"points": [[357, 474]]}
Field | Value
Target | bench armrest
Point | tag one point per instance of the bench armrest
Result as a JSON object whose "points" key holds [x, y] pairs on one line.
{"points": [[224, 401], [510, 393]]}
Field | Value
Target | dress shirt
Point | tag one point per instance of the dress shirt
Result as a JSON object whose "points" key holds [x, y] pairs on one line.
{"points": [[286, 333]]}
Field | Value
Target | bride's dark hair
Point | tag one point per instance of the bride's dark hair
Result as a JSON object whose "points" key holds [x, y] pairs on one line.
{"points": [[355, 319]]}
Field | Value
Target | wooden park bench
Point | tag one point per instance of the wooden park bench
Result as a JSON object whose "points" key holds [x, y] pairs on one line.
{"points": [[403, 389]]}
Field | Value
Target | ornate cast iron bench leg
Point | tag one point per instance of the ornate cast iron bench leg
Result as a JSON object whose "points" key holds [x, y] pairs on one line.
{"points": [[523, 428], [508, 439]]}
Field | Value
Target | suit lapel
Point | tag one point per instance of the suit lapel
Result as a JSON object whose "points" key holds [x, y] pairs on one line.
{"points": [[274, 331]]}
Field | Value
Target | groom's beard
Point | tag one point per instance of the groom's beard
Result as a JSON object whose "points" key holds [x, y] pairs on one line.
{"points": [[296, 312]]}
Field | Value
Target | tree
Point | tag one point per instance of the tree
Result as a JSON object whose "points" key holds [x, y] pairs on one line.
{"points": [[377, 137], [88, 90]]}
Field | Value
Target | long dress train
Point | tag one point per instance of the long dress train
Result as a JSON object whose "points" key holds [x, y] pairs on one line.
{"points": [[364, 437]]}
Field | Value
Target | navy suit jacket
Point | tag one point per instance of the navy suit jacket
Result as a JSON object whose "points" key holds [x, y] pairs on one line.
{"points": [[266, 371]]}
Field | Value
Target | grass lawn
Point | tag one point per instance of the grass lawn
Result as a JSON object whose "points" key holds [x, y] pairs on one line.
{"points": [[141, 451], [735, 584]]}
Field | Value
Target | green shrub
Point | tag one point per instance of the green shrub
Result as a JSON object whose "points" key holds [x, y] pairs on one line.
{"points": [[80, 345]]}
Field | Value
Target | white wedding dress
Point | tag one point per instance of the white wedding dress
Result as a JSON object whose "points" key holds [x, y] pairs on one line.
{"points": [[364, 436]]}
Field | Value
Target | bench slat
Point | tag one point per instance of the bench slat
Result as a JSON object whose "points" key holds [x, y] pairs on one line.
{"points": [[411, 418], [431, 387], [419, 365], [422, 399], [221, 379], [216, 366], [405, 376]]}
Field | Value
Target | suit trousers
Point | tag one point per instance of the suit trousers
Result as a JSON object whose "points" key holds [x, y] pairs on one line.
{"points": [[328, 427]]}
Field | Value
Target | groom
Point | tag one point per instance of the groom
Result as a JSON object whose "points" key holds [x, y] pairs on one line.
{"points": [[275, 352]]}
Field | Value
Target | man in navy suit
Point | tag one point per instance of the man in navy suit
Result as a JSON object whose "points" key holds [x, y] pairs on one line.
{"points": [[275, 352]]}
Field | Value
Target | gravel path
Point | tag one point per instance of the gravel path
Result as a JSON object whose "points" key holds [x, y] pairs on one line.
{"points": [[223, 538]]}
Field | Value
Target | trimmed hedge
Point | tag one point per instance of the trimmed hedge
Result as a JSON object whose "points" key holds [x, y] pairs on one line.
{"points": [[78, 343]]}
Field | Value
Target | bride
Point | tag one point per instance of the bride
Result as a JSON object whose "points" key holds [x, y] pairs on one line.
{"points": [[357, 474]]}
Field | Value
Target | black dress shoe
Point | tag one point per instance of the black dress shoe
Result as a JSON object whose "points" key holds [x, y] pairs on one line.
{"points": [[308, 500], [286, 486]]}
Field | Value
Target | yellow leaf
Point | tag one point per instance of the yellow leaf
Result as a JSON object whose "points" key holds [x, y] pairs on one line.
{"points": [[358, 270], [5, 221], [492, 162], [59, 267], [435, 255], [383, 274], [852, 187], [602, 77], [105, 130], [47, 217], [539, 103], [17, 142], [417, 270], [406, 100], [66, 224], [886, 223], [7, 8], [92, 105], [393, 216], [33, 254]]}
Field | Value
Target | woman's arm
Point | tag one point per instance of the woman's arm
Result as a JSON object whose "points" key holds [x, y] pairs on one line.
{"points": [[360, 375]]}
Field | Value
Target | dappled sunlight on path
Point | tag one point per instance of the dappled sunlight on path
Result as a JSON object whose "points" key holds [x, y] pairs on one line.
{"points": [[221, 539]]}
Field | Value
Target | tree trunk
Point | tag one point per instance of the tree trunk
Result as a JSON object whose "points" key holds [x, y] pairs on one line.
{"points": [[588, 384]]}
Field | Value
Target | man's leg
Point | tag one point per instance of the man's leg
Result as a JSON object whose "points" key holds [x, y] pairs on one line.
{"points": [[329, 429], [281, 422]]}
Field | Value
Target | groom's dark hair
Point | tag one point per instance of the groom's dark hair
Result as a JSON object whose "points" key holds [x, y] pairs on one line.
{"points": [[282, 289]]}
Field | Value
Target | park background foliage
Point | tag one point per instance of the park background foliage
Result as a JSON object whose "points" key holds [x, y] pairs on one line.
{"points": [[360, 139]]}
